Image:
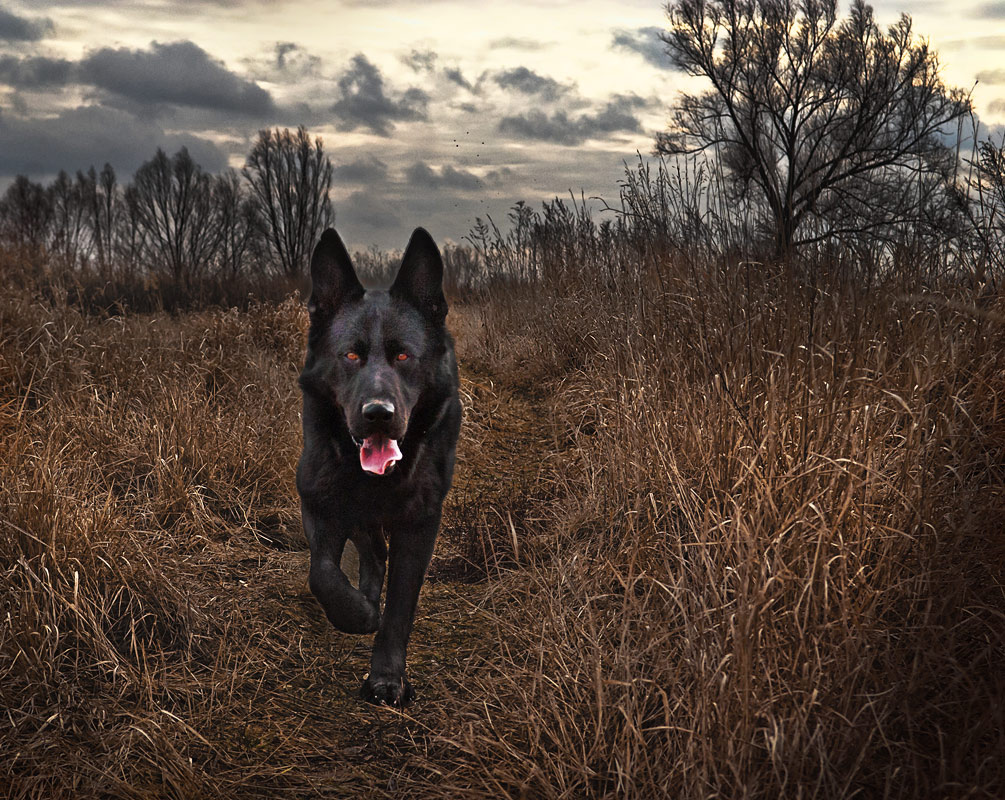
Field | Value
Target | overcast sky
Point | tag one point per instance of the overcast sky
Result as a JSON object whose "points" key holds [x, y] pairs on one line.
{"points": [[433, 112]]}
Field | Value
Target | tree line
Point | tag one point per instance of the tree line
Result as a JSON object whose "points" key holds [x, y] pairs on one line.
{"points": [[814, 132], [176, 222]]}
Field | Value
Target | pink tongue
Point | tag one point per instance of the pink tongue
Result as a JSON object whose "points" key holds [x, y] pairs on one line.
{"points": [[378, 453]]}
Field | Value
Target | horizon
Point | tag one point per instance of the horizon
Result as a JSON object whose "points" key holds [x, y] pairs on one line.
{"points": [[432, 114]]}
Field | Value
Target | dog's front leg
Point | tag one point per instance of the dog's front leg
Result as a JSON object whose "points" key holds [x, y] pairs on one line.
{"points": [[410, 550], [346, 607], [372, 563]]}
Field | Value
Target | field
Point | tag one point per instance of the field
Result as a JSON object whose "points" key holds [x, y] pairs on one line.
{"points": [[718, 530]]}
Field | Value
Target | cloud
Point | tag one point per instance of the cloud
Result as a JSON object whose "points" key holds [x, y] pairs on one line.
{"points": [[148, 6], [80, 137], [992, 41], [365, 103], [425, 177], [286, 62], [991, 11], [992, 76], [363, 170], [997, 106], [526, 81], [177, 73], [35, 72], [500, 176], [372, 213], [21, 29], [293, 61], [420, 60], [615, 117], [514, 43], [454, 75], [645, 42], [535, 124]]}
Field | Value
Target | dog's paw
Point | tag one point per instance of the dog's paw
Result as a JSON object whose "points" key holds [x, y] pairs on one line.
{"points": [[389, 690]]}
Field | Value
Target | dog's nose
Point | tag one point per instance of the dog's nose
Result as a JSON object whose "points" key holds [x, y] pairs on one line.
{"points": [[378, 411]]}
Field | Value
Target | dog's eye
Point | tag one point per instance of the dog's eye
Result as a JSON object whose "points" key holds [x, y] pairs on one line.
{"points": [[402, 357], [352, 356]]}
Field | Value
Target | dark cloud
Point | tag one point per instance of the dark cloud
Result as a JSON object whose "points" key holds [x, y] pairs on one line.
{"points": [[22, 29], [997, 106], [420, 60], [526, 81], [178, 73], [993, 76], [371, 217], [80, 137], [365, 103], [559, 127], [363, 170], [500, 176], [35, 72], [617, 114], [384, 215], [535, 124], [425, 177], [454, 75], [991, 11], [646, 42]]}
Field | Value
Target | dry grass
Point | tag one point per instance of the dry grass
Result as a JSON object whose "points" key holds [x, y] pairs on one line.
{"points": [[735, 542], [775, 567]]}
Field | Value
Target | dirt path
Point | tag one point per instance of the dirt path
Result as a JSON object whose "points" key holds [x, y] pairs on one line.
{"points": [[304, 732]]}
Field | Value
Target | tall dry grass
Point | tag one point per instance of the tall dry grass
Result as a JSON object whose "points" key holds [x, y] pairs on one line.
{"points": [[156, 635], [772, 562], [134, 454], [740, 529]]}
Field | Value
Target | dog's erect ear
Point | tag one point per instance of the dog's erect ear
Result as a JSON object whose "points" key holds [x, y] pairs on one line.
{"points": [[420, 277], [333, 280]]}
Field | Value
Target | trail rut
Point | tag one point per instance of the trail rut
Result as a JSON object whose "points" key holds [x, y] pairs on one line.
{"points": [[305, 732]]}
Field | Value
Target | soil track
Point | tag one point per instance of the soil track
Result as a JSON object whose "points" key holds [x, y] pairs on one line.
{"points": [[305, 732]]}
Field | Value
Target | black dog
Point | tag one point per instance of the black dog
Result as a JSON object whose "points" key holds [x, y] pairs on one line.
{"points": [[381, 420]]}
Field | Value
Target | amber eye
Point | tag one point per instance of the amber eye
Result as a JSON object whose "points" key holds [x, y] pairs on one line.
{"points": [[352, 356], [402, 357]]}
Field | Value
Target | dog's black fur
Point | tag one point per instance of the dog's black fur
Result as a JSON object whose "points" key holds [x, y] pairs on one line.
{"points": [[380, 368]]}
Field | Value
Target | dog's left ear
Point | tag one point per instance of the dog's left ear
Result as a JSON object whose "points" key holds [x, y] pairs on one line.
{"points": [[420, 276]]}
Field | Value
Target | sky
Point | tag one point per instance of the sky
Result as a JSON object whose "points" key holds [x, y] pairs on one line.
{"points": [[434, 113]]}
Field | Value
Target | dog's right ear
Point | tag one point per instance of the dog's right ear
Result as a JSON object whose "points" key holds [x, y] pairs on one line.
{"points": [[333, 279]]}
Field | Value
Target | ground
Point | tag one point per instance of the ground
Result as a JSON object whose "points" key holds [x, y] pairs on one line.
{"points": [[305, 730]]}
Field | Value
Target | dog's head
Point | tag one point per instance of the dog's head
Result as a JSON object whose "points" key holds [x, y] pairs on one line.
{"points": [[370, 351]]}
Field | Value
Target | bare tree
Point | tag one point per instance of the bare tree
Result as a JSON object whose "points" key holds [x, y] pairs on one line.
{"points": [[172, 199], [26, 214], [102, 202], [238, 221], [290, 177], [983, 198], [69, 239], [819, 118]]}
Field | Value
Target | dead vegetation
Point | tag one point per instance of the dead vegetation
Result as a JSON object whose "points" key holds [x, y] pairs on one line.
{"points": [[710, 536]]}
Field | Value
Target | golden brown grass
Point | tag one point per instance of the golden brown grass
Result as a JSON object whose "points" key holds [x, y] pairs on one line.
{"points": [[774, 565], [733, 542]]}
